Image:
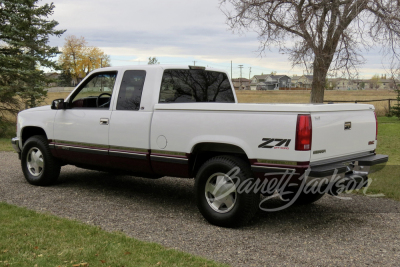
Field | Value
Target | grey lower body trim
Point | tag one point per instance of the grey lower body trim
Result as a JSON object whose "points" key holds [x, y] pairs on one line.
{"points": [[82, 149], [169, 159], [127, 154]]}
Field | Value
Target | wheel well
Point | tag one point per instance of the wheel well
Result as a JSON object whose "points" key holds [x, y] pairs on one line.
{"points": [[204, 151], [30, 131]]}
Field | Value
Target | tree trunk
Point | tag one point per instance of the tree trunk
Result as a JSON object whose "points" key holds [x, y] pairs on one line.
{"points": [[319, 82]]}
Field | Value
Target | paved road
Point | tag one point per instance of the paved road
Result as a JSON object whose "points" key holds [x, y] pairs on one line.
{"points": [[358, 232]]}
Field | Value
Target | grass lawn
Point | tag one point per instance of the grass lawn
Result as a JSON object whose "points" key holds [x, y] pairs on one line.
{"points": [[5, 144], [387, 180], [31, 239]]}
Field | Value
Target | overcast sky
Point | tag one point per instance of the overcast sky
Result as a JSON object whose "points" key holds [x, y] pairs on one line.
{"points": [[176, 32]]}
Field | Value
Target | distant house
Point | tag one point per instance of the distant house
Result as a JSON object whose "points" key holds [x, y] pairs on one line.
{"points": [[54, 76], [343, 84], [381, 84], [361, 84], [295, 81], [270, 82], [305, 81], [241, 84]]}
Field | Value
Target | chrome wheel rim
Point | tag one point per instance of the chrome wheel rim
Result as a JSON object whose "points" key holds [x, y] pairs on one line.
{"points": [[34, 161], [220, 192]]}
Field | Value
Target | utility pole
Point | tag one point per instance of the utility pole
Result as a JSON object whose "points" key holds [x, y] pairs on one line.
{"points": [[240, 79], [101, 63], [194, 62], [249, 73]]}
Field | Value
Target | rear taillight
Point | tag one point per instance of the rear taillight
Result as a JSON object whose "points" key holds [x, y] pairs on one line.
{"points": [[303, 133], [376, 123]]}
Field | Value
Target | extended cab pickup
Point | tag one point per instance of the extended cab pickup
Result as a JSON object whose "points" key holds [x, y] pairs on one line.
{"points": [[184, 121]]}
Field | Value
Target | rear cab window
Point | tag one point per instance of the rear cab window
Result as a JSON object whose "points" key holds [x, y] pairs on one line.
{"points": [[195, 85], [130, 92]]}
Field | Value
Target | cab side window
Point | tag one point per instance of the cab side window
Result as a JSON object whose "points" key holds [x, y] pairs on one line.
{"points": [[95, 92], [131, 90]]}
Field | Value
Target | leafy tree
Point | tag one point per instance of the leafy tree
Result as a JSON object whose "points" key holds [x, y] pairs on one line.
{"points": [[374, 82], [323, 35], [395, 110], [78, 59], [65, 78], [24, 36], [153, 61]]}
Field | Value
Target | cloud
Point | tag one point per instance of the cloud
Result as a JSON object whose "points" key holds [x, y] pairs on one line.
{"points": [[174, 31]]}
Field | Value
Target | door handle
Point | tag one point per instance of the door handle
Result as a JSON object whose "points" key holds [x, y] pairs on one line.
{"points": [[103, 121]]}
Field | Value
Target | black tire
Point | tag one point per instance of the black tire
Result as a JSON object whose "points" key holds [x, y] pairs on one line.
{"points": [[48, 172], [303, 198], [245, 205]]}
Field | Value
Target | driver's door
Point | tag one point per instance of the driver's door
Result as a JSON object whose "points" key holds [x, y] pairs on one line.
{"points": [[81, 131]]}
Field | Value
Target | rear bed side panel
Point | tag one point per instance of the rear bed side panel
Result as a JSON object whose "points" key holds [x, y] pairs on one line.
{"points": [[331, 138], [257, 133]]}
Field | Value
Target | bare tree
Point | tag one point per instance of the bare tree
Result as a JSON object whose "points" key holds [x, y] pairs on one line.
{"points": [[326, 36]]}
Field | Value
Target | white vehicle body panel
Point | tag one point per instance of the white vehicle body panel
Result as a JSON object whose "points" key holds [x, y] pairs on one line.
{"points": [[130, 129], [329, 134], [82, 126], [186, 128], [41, 117]]}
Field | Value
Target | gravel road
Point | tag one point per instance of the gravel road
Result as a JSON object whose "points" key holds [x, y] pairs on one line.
{"points": [[358, 232]]}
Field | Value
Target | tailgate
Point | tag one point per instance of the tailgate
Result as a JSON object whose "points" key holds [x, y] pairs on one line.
{"points": [[342, 133]]}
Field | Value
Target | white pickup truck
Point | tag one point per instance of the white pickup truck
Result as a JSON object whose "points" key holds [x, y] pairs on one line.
{"points": [[184, 121]]}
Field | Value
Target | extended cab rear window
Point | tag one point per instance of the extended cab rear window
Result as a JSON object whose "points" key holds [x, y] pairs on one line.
{"points": [[189, 85]]}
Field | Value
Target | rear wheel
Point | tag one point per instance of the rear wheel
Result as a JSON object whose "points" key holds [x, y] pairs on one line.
{"points": [[217, 196], [38, 165]]}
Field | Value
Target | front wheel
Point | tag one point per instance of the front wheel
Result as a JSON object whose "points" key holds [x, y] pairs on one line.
{"points": [[38, 165], [217, 196]]}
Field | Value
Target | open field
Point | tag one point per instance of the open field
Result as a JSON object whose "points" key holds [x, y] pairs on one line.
{"points": [[304, 97], [28, 238]]}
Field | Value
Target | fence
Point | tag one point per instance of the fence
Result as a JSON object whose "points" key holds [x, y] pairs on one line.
{"points": [[60, 89], [294, 89], [363, 101]]}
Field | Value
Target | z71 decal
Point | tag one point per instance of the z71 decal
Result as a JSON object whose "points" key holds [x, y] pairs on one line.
{"points": [[275, 143]]}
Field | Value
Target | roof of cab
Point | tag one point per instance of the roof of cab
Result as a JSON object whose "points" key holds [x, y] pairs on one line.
{"points": [[155, 66]]}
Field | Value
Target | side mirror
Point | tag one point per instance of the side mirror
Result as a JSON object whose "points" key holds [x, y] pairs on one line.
{"points": [[59, 104]]}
